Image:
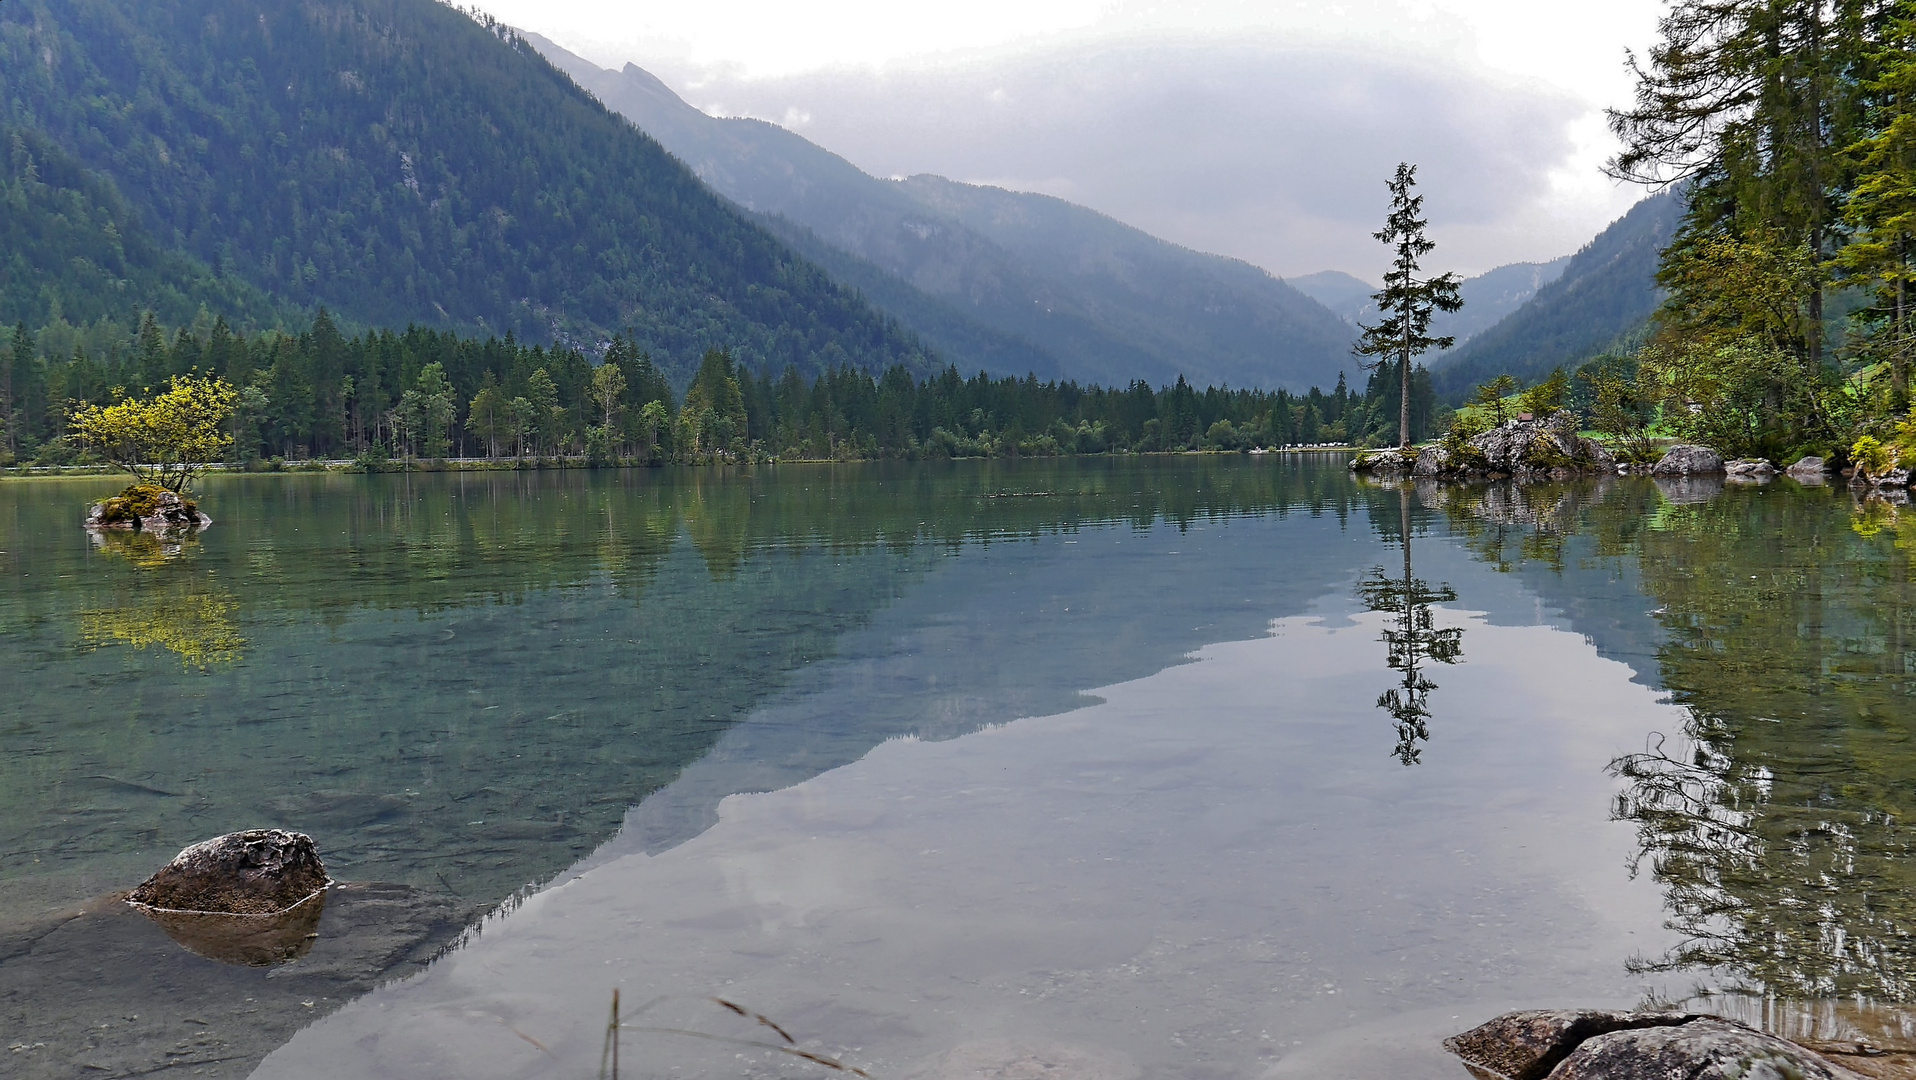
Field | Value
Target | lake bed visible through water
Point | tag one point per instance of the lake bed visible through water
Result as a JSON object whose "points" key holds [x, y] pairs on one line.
{"points": [[1087, 768]]}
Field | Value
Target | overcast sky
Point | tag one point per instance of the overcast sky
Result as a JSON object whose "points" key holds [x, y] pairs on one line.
{"points": [[1262, 129]]}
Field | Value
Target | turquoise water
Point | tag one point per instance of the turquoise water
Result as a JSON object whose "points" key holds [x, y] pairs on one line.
{"points": [[1177, 765]]}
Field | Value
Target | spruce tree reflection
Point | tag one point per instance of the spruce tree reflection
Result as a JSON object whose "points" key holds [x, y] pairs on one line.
{"points": [[1412, 640]]}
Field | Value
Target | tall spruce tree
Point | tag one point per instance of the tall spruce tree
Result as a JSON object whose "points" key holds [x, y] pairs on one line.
{"points": [[1751, 102], [1407, 302]]}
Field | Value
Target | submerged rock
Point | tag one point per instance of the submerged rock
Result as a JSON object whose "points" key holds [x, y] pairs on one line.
{"points": [[246, 940], [1689, 490], [1600, 1045], [256, 872], [1686, 459]]}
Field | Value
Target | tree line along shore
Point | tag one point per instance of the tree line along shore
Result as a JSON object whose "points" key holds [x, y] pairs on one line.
{"points": [[426, 395]]}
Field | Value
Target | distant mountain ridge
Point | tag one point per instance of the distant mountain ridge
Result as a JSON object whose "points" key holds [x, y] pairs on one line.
{"points": [[1488, 297], [1601, 303], [1004, 280], [398, 162]]}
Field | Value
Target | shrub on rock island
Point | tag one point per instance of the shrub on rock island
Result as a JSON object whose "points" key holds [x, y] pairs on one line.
{"points": [[164, 442]]}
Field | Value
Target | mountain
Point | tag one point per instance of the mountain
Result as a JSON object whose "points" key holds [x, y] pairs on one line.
{"points": [[1007, 281], [72, 249], [1347, 296], [398, 161], [1488, 297], [1602, 301], [1494, 294]]}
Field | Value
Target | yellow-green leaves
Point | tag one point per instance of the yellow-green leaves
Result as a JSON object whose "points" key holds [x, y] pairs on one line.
{"points": [[167, 439]]}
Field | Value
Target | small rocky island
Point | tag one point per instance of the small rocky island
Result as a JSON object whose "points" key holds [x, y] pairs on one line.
{"points": [[1550, 448], [147, 508]]}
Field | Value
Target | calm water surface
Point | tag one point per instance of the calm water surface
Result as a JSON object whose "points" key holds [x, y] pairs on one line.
{"points": [[1181, 767]]}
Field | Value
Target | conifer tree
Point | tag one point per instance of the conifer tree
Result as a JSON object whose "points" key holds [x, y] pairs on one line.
{"points": [[1407, 302]]}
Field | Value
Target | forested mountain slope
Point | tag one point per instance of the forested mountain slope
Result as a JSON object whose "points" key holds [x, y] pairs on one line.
{"points": [[998, 279], [398, 162], [1607, 293], [71, 248]]}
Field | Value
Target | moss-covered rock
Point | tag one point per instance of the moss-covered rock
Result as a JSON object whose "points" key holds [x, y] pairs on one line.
{"points": [[149, 507]]}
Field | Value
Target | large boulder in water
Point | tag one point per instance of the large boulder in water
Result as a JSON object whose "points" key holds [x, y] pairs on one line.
{"points": [[1602, 1045], [1527, 1045], [1432, 462], [256, 872], [1686, 459], [1707, 1049], [1809, 470], [1391, 462], [1539, 447]]}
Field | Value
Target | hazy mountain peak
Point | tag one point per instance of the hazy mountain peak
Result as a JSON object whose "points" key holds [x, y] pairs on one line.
{"points": [[1006, 280]]}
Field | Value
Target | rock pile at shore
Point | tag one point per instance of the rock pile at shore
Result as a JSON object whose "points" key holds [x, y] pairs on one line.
{"points": [[1596, 1045]]}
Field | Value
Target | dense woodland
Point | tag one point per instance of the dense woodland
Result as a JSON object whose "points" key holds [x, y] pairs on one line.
{"points": [[402, 163], [1791, 129], [321, 394]]}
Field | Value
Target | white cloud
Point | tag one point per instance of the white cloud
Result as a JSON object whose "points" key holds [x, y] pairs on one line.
{"points": [[1257, 129]]}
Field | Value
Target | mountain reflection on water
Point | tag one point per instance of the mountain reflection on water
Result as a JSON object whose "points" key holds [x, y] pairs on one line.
{"points": [[462, 684]]}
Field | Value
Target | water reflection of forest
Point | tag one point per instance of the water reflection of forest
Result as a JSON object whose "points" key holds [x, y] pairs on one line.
{"points": [[1776, 820]]}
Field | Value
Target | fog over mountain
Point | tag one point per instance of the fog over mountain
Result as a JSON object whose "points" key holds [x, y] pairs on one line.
{"points": [[1488, 297], [1254, 147], [1004, 280]]}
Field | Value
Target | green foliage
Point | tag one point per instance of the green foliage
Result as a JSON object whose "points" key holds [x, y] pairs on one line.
{"points": [[1871, 458], [1742, 397], [393, 160], [1492, 400], [1548, 396], [73, 250], [167, 439], [432, 394], [713, 418], [1621, 411]]}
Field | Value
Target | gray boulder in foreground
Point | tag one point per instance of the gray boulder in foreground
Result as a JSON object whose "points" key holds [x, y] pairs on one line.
{"points": [[1686, 459], [1600, 1045], [256, 872]]}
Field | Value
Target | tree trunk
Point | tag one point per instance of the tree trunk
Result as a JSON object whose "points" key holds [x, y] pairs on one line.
{"points": [[1403, 406], [1898, 360]]}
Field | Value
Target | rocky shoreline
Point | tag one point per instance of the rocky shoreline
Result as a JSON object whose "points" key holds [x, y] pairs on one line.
{"points": [[1550, 448], [1602, 1045]]}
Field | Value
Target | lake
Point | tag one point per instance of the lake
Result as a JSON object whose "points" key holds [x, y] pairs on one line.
{"points": [[1201, 766]]}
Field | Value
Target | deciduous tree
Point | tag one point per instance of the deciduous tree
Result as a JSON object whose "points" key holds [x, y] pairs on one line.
{"points": [[164, 440]]}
